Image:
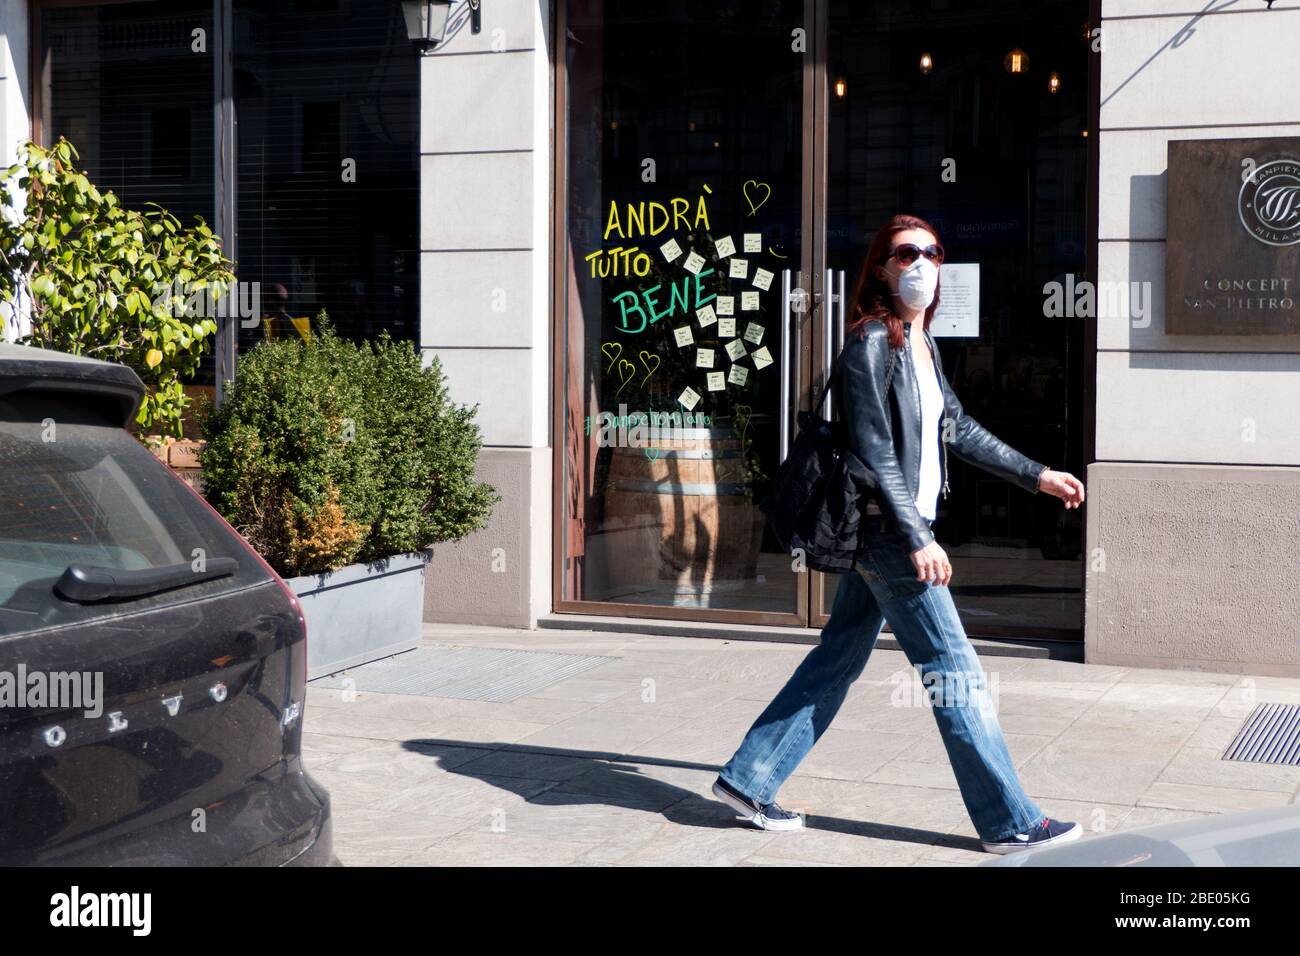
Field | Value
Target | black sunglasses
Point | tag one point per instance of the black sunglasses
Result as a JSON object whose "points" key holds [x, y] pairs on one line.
{"points": [[909, 252]]}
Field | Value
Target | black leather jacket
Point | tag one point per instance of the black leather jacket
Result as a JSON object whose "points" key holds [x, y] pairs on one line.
{"points": [[885, 431]]}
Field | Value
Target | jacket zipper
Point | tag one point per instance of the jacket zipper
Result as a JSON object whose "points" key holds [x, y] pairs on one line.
{"points": [[945, 464]]}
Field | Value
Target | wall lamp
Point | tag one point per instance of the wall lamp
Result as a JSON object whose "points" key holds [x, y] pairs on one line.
{"points": [[426, 21]]}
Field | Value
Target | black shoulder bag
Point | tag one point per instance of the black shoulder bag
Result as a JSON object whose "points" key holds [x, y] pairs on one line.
{"points": [[821, 489]]}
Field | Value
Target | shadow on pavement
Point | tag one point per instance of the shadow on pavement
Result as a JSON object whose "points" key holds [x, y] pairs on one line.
{"points": [[617, 780]]}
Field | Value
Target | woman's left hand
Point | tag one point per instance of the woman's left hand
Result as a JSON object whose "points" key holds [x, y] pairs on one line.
{"points": [[1062, 484]]}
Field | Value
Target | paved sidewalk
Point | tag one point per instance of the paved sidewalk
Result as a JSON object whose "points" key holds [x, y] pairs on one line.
{"points": [[614, 765]]}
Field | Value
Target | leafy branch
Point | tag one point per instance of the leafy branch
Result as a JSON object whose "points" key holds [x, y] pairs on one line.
{"points": [[108, 282]]}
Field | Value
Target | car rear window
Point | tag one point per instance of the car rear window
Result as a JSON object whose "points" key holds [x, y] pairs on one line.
{"points": [[78, 489]]}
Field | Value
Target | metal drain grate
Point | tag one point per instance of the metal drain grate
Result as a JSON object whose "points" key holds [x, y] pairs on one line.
{"points": [[1271, 734], [465, 673]]}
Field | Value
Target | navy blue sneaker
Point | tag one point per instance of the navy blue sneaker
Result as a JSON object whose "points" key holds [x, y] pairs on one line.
{"points": [[1048, 833], [765, 816]]}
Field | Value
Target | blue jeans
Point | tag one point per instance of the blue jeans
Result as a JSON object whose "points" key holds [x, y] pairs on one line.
{"points": [[924, 621]]}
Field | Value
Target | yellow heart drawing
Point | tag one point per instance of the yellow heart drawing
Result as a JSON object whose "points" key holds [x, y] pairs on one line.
{"points": [[753, 206], [618, 350], [646, 365], [625, 366], [741, 414]]}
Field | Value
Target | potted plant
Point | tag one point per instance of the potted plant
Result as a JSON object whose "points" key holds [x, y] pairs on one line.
{"points": [[342, 463]]}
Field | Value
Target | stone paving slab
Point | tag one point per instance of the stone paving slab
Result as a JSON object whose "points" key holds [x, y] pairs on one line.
{"points": [[613, 767]]}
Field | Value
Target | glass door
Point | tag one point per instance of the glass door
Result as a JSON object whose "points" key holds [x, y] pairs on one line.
{"points": [[722, 169], [684, 325], [974, 117]]}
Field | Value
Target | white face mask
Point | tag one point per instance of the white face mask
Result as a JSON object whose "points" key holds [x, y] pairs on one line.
{"points": [[917, 283]]}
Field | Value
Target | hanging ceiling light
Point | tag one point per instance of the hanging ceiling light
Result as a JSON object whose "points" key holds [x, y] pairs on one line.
{"points": [[1054, 82], [1017, 61], [840, 85], [927, 63]]}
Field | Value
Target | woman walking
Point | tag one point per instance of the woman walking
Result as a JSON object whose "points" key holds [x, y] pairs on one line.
{"points": [[901, 416]]}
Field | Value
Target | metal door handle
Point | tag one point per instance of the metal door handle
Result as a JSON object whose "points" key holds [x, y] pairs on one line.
{"points": [[841, 301], [839, 335], [828, 330], [833, 328], [787, 332]]}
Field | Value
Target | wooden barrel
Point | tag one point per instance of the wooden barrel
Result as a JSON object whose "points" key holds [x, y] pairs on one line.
{"points": [[685, 523]]}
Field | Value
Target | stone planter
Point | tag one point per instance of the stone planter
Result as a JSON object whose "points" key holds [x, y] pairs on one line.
{"points": [[362, 612]]}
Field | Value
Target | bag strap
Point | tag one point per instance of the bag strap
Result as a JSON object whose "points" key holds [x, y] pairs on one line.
{"points": [[826, 387]]}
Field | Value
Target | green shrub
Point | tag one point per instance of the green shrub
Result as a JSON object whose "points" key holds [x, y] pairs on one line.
{"points": [[327, 453]]}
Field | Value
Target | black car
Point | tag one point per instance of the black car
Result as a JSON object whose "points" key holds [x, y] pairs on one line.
{"points": [[116, 575]]}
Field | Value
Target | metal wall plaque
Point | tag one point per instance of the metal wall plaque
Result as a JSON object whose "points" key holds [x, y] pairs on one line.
{"points": [[1232, 255]]}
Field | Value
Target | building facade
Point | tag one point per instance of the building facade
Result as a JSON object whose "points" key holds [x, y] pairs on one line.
{"points": [[631, 232]]}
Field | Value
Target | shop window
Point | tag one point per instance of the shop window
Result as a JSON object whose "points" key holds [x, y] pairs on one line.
{"points": [[326, 178]]}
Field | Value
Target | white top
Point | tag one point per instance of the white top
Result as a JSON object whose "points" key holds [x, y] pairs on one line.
{"points": [[927, 492]]}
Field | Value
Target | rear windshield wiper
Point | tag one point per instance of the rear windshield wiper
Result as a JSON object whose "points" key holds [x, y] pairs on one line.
{"points": [[85, 583]]}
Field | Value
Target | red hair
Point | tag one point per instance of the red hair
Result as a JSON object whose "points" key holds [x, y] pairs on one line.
{"points": [[872, 300]]}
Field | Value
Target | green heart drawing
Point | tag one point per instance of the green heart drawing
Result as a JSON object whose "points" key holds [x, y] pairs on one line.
{"points": [[655, 456]]}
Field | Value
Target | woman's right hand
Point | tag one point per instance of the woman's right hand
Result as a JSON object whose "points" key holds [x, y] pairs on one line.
{"points": [[931, 563]]}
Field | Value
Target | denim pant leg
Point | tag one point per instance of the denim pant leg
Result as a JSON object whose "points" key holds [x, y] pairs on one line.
{"points": [[925, 623], [787, 729]]}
